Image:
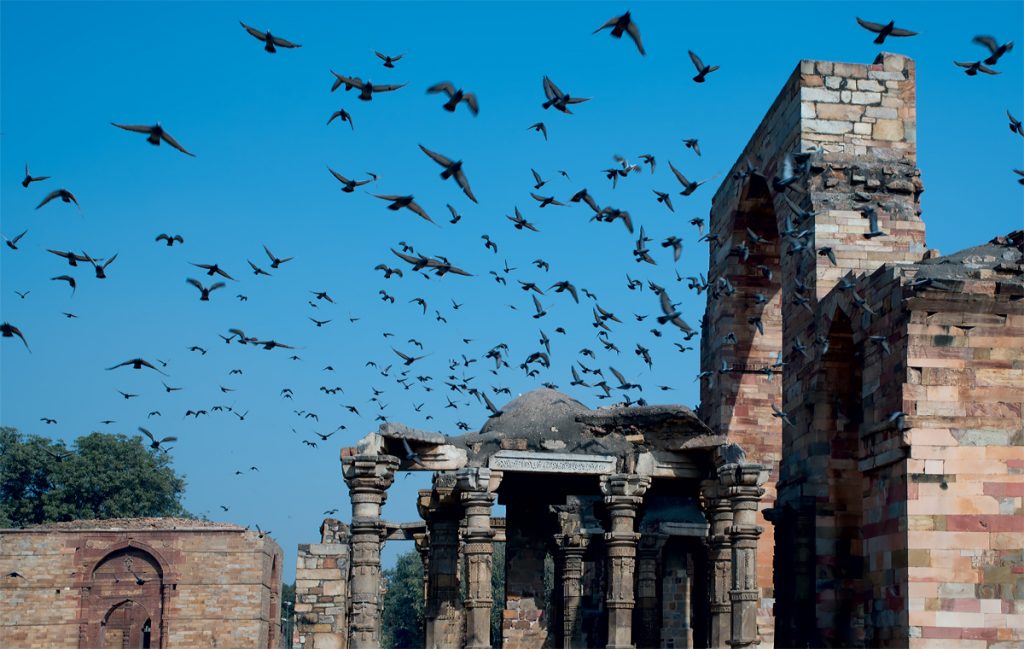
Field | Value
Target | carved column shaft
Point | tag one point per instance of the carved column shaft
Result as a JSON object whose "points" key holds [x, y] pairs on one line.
{"points": [[623, 496], [368, 478], [573, 547], [479, 551], [720, 555], [743, 488], [443, 611], [648, 560]]}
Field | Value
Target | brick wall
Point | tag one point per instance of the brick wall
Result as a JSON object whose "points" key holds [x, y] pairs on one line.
{"points": [[221, 585], [321, 589]]}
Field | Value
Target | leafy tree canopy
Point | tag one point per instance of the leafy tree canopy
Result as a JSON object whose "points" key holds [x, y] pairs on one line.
{"points": [[100, 476]]}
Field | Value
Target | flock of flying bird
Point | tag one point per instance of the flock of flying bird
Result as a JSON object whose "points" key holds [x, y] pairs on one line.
{"points": [[459, 389]]}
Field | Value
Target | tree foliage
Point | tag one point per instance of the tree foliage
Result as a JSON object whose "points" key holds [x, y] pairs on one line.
{"points": [[402, 622], [100, 476]]}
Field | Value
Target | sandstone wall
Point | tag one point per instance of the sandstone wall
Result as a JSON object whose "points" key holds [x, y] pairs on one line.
{"points": [[221, 585]]}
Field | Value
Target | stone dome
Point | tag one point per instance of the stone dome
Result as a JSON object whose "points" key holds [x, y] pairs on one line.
{"points": [[541, 413]]}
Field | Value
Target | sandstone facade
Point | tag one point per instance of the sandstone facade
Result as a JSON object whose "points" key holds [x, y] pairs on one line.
{"points": [[128, 582]]}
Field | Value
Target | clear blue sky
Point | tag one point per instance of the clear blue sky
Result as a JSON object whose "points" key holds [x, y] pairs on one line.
{"points": [[257, 124]]}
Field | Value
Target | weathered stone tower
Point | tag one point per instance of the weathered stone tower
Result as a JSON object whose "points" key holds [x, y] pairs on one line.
{"points": [[895, 366]]}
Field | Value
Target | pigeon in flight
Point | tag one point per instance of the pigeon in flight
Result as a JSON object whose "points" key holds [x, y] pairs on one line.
{"points": [[702, 70], [558, 99], [349, 186], [29, 178], [155, 443], [138, 364], [995, 49], [205, 290], [170, 239], [540, 128], [274, 261], [455, 96], [345, 116], [366, 88], [451, 170], [7, 330], [624, 23], [156, 133], [398, 202], [974, 67], [688, 186], [884, 31], [271, 42], [389, 61], [63, 194], [1015, 125], [13, 243]]}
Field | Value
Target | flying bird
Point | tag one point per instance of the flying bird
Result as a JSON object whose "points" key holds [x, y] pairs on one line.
{"points": [[624, 23], [455, 96], [271, 42], [29, 178], [558, 99], [995, 49], [540, 128], [213, 269], [155, 443], [170, 239], [974, 67], [70, 280], [398, 202], [7, 330], [702, 70], [344, 116], [138, 364], [101, 269], [389, 61], [688, 186], [692, 143], [1015, 125], [348, 186], [366, 88], [884, 31], [156, 133], [13, 243], [63, 194], [205, 290], [452, 169], [275, 262]]}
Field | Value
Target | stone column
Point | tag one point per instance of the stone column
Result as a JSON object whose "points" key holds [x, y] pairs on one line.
{"points": [[368, 478], [479, 551], [648, 563], [443, 610], [720, 555], [422, 542], [572, 547], [623, 494], [743, 489]]}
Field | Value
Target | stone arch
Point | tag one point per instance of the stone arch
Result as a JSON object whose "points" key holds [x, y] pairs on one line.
{"points": [[840, 540], [123, 594]]}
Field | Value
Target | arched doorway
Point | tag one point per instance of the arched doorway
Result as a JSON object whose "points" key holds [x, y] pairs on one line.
{"points": [[123, 601], [127, 625]]}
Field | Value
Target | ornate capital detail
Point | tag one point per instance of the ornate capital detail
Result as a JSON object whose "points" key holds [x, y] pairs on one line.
{"points": [[624, 484], [369, 471]]}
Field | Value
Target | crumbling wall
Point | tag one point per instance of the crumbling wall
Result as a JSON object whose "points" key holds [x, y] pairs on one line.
{"points": [[321, 589]]}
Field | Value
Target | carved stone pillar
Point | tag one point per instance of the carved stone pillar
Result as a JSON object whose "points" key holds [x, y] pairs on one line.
{"points": [[743, 488], [368, 478], [479, 551], [648, 564], [572, 547], [716, 504], [623, 494], [422, 542], [443, 612]]}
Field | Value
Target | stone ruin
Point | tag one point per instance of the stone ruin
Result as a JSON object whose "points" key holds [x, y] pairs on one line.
{"points": [[884, 509]]}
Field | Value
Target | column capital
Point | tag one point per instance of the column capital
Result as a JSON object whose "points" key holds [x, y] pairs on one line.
{"points": [[369, 471], [624, 484]]}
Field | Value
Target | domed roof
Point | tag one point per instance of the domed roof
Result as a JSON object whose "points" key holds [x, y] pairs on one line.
{"points": [[543, 412]]}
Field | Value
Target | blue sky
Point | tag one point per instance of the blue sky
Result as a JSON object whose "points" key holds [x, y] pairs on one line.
{"points": [[257, 124]]}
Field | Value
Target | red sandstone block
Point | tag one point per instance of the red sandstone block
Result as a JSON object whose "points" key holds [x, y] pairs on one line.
{"points": [[984, 523], [1004, 489], [949, 633]]}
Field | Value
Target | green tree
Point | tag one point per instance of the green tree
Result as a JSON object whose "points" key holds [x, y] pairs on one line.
{"points": [[402, 622], [101, 476]]}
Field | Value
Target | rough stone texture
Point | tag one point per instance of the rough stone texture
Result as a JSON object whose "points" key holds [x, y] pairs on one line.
{"points": [[321, 589], [892, 530], [203, 584]]}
